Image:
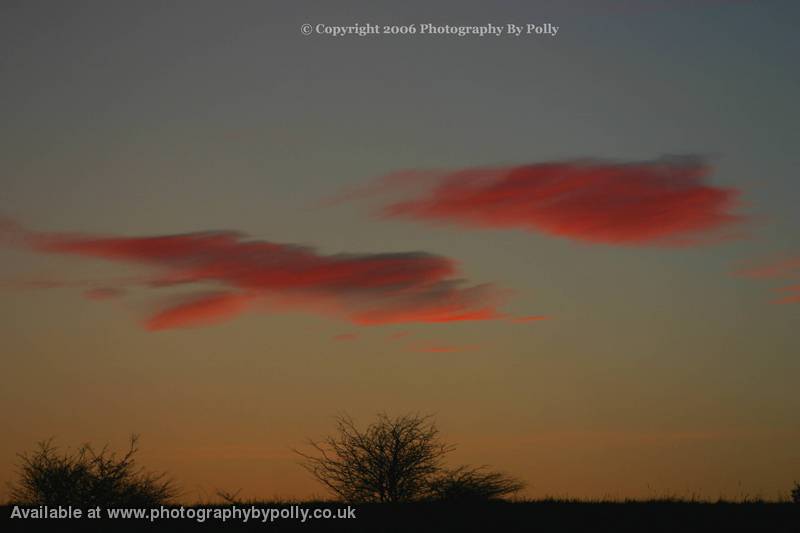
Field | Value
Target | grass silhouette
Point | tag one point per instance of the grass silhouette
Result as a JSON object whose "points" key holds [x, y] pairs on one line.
{"points": [[465, 499]]}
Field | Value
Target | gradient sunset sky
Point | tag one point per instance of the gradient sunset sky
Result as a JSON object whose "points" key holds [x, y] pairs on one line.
{"points": [[579, 252]]}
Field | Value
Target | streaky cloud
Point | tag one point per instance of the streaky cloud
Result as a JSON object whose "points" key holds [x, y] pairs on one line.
{"points": [[780, 267], [365, 289], [783, 267]]}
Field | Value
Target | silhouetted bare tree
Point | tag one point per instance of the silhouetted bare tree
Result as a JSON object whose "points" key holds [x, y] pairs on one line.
{"points": [[392, 460], [88, 478], [397, 459]]}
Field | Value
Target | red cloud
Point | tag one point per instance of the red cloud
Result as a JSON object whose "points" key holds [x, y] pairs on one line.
{"points": [[792, 298], [225, 257], [200, 311], [663, 202], [779, 268], [366, 289], [785, 267], [446, 301]]}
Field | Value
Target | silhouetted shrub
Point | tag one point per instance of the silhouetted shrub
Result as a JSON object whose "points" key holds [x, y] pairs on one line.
{"points": [[397, 459], [87, 478], [465, 483], [392, 460], [796, 492]]}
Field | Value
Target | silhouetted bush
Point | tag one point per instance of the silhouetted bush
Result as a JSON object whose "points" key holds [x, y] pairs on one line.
{"points": [[395, 460], [465, 483], [796, 492], [87, 478], [392, 460]]}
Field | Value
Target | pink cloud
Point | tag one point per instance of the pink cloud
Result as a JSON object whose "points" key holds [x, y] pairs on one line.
{"points": [[200, 311], [793, 297], [783, 267], [366, 289], [666, 202]]}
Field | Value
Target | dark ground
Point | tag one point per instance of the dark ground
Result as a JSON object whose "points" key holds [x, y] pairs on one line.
{"points": [[538, 516]]}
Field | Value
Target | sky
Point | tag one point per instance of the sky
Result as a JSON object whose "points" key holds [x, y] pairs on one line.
{"points": [[579, 252]]}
